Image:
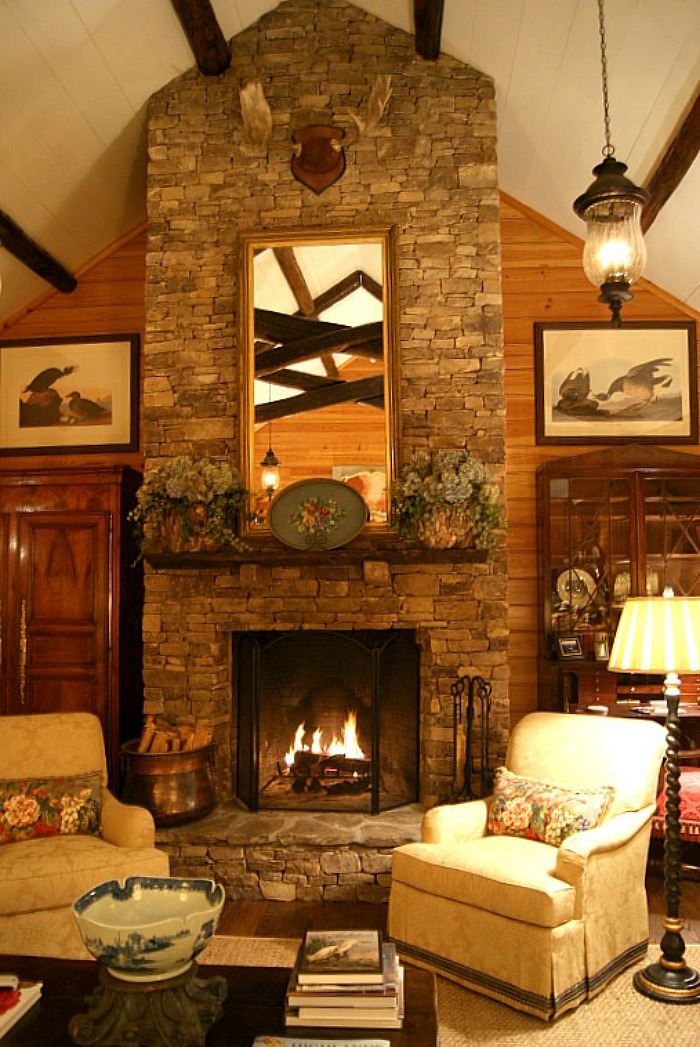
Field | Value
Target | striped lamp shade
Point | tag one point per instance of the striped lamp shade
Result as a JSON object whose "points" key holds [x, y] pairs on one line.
{"points": [[659, 634]]}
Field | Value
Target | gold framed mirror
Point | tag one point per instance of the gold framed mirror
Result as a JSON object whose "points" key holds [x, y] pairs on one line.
{"points": [[319, 337]]}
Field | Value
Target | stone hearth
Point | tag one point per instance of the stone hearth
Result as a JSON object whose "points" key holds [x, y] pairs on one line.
{"points": [[281, 856]]}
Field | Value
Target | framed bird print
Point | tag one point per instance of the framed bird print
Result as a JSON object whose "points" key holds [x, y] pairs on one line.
{"points": [[598, 384], [69, 395]]}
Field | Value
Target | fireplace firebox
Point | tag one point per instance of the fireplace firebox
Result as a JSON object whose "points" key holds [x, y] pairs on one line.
{"points": [[327, 721]]}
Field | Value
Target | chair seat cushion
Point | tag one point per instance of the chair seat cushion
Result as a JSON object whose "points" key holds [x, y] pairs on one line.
{"points": [[507, 875], [47, 873], [690, 807]]}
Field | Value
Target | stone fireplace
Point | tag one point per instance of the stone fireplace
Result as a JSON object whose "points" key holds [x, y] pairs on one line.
{"points": [[327, 720], [429, 171]]}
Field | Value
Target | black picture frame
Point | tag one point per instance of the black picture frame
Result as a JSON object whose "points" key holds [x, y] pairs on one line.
{"points": [[599, 384], [69, 395]]}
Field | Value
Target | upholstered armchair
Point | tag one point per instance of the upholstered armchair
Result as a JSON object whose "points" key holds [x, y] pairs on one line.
{"points": [[535, 896], [61, 831]]}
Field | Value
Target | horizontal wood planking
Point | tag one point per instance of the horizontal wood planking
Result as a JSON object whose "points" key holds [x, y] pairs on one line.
{"points": [[542, 281]]}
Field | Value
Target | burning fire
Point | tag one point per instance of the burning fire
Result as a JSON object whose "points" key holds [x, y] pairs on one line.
{"points": [[348, 745]]}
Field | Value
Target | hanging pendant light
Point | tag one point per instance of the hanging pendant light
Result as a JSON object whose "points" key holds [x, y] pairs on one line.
{"points": [[614, 254]]}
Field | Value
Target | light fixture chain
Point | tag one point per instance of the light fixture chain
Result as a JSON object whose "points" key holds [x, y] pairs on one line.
{"points": [[608, 150]]}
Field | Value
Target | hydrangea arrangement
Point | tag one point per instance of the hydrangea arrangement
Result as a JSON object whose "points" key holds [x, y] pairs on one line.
{"points": [[450, 492], [199, 497]]}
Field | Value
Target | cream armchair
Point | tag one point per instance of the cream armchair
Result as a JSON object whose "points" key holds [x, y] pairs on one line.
{"points": [[42, 876], [537, 926]]}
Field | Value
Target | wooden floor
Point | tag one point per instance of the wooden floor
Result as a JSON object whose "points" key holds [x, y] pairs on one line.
{"points": [[290, 919]]}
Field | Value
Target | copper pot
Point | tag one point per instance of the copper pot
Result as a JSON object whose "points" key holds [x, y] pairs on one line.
{"points": [[176, 787]]}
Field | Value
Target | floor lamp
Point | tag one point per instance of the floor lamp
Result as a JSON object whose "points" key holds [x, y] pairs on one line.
{"points": [[662, 635]]}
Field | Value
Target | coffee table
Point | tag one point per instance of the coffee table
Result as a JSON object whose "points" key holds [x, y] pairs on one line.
{"points": [[254, 1005]]}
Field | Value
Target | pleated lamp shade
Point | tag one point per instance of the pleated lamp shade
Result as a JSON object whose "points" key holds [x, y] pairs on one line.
{"points": [[659, 634]]}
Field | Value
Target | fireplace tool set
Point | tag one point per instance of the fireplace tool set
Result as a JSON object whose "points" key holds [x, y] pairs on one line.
{"points": [[463, 730]]}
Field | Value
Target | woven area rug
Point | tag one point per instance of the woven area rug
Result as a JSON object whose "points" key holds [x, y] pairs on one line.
{"points": [[618, 1017]]}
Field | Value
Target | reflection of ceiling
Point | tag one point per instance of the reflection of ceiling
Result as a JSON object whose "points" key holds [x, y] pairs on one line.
{"points": [[317, 309]]}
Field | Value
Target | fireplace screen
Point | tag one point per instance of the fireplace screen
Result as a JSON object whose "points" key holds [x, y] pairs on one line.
{"points": [[327, 720]]}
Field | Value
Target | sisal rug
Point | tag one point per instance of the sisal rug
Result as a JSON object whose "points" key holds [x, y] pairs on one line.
{"points": [[618, 1017]]}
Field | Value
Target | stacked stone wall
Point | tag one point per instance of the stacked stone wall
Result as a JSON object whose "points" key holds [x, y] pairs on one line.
{"points": [[429, 170]]}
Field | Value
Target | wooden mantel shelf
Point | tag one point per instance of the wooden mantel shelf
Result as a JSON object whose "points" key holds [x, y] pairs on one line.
{"points": [[266, 550]]}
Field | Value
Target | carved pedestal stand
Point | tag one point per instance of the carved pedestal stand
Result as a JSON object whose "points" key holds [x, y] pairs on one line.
{"points": [[174, 1013]]}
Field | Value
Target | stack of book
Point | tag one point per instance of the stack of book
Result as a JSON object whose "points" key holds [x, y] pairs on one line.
{"points": [[346, 979]]}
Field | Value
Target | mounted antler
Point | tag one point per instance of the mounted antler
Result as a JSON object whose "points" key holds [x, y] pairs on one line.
{"points": [[318, 153], [256, 113], [378, 101]]}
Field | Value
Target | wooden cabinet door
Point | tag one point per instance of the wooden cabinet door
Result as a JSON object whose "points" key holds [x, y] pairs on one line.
{"points": [[57, 635]]}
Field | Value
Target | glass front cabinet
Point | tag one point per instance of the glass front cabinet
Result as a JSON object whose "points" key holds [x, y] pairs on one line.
{"points": [[615, 523]]}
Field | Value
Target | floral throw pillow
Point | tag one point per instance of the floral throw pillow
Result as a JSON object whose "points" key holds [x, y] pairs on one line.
{"points": [[32, 807], [543, 811]]}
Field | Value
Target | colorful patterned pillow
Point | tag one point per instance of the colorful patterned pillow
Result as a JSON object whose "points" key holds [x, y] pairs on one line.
{"points": [[543, 811], [32, 807]]}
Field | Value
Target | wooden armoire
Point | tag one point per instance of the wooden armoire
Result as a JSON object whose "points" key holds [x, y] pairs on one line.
{"points": [[71, 598]]}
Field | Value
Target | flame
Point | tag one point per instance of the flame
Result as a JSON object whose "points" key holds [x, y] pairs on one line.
{"points": [[348, 745]]}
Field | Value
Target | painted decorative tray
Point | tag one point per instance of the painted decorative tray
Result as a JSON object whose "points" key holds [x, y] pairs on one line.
{"points": [[317, 514]]}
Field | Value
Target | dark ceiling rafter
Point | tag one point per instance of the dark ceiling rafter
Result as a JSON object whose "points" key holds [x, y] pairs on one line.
{"points": [[369, 391], [27, 251], [427, 21], [674, 164], [291, 270], [209, 45], [366, 340]]}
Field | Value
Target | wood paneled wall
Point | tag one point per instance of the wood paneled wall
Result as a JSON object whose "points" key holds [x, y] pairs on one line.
{"points": [[109, 299], [542, 281]]}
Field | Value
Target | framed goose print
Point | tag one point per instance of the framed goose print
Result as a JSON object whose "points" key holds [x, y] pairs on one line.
{"points": [[69, 395], [598, 384]]}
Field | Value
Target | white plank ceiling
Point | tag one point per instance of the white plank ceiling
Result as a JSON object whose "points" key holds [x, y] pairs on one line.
{"points": [[75, 77]]}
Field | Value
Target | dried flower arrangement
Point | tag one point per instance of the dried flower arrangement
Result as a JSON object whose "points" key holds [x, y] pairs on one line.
{"points": [[446, 499], [191, 502]]}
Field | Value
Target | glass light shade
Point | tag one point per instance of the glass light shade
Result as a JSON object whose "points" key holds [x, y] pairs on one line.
{"points": [[270, 476], [659, 634], [615, 250]]}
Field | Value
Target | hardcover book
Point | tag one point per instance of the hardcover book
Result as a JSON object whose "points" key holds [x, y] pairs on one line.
{"points": [[350, 994], [339, 957]]}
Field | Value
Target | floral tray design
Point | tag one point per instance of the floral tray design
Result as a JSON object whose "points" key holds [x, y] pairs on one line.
{"points": [[317, 514]]}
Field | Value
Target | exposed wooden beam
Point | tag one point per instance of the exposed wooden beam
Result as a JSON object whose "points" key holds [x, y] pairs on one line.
{"points": [[369, 391], [209, 45], [364, 340], [279, 328], [674, 164], [427, 19], [16, 241]]}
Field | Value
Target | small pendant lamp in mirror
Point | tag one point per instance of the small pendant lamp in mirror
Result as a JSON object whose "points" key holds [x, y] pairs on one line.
{"points": [[270, 476]]}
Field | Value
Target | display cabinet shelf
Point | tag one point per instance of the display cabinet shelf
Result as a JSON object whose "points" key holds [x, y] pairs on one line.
{"points": [[614, 523]]}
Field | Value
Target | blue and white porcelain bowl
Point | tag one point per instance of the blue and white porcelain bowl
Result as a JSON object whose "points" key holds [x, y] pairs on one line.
{"points": [[151, 928]]}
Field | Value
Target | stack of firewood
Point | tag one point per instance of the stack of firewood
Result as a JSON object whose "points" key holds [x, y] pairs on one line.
{"points": [[161, 735]]}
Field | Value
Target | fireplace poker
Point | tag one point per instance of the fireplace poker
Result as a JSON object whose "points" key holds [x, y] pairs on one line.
{"points": [[463, 741]]}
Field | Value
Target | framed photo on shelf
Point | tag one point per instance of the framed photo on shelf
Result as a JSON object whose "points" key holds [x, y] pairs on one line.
{"points": [[598, 384], [69, 395], [569, 647]]}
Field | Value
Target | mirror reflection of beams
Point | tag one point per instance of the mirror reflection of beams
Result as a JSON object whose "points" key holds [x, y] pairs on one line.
{"points": [[319, 362]]}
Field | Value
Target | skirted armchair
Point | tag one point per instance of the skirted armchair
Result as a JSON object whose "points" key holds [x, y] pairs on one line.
{"points": [[535, 896], [61, 831]]}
